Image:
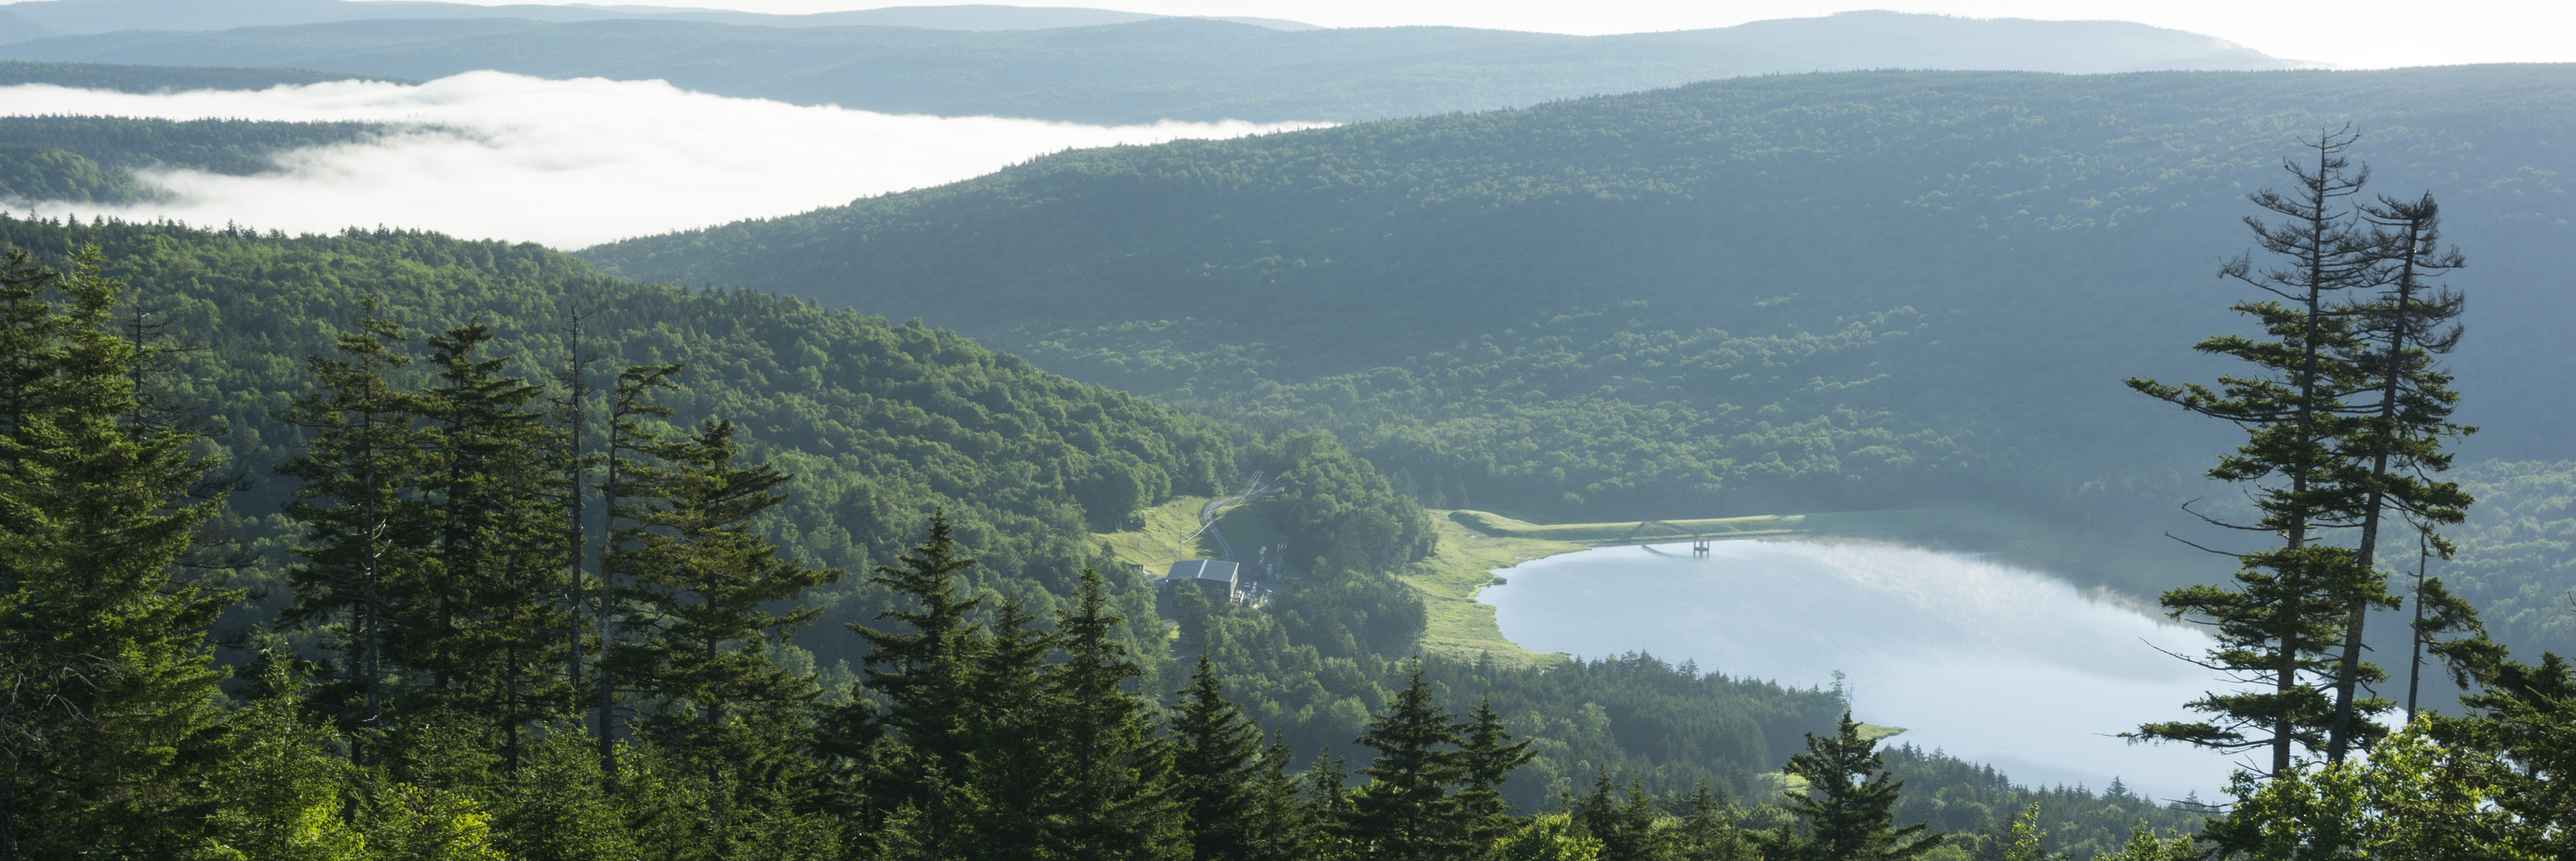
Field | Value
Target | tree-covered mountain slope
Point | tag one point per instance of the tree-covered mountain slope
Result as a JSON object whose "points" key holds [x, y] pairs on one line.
{"points": [[881, 424], [1791, 293], [94, 159], [1163, 68]]}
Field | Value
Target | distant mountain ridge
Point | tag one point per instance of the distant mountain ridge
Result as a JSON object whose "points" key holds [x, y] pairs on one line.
{"points": [[1155, 69], [72, 17]]}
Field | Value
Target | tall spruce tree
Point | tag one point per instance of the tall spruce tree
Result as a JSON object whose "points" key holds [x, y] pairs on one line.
{"points": [[925, 672], [488, 623], [1231, 788], [1408, 811], [2398, 445], [1848, 813], [2275, 629], [109, 728], [630, 442], [1490, 756], [364, 530], [1114, 798], [1625, 826], [700, 586]]}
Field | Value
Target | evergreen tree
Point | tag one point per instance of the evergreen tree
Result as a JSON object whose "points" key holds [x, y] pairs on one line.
{"points": [[2290, 603], [1114, 799], [1407, 811], [280, 794], [1847, 812], [1325, 792], [926, 675], [487, 625], [110, 727], [364, 531], [1625, 827], [1709, 832], [2400, 441], [699, 584], [556, 808], [630, 442], [1230, 787], [1014, 735], [1490, 755]]}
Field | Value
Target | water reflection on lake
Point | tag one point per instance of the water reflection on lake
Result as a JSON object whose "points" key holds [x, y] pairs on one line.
{"points": [[1989, 662]]}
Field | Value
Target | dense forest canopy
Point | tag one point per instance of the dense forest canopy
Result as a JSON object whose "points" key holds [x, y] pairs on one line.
{"points": [[94, 159], [879, 425], [1824, 291], [1162, 68]]}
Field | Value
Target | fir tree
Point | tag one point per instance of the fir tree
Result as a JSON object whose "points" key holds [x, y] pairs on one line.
{"points": [[630, 441], [364, 531], [1847, 812], [487, 622], [1114, 799], [110, 727], [280, 796], [1407, 811], [700, 583], [1232, 789], [1709, 832], [1490, 756], [1624, 826], [2399, 444], [2274, 630], [927, 675]]}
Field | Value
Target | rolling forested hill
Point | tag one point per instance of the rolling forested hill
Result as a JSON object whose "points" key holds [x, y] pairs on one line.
{"points": [[1164, 68], [93, 159], [880, 424], [1785, 293]]}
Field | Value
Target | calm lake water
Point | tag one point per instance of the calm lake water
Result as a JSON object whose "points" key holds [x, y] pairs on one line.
{"points": [[1988, 662]]}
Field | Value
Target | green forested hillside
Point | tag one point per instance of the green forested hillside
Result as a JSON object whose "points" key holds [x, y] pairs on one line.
{"points": [[880, 424], [1164, 68], [93, 159], [1811, 292]]}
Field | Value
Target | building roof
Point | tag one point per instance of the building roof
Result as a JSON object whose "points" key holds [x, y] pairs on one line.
{"points": [[1203, 569]]}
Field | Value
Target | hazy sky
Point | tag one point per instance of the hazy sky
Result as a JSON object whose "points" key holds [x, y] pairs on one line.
{"points": [[569, 163], [2352, 33]]}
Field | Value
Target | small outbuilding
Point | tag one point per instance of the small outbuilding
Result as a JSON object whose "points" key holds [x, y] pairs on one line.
{"points": [[1210, 572]]}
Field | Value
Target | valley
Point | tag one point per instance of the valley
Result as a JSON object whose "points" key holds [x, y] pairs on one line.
{"points": [[1628, 442]]}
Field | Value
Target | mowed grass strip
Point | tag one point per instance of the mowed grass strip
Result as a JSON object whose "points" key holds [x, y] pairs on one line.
{"points": [[1463, 565]]}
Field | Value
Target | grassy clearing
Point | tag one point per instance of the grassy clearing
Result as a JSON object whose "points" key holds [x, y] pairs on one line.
{"points": [[2138, 566], [1449, 580], [1170, 534]]}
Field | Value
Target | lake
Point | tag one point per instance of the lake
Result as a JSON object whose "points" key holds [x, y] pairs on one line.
{"points": [[1989, 662]]}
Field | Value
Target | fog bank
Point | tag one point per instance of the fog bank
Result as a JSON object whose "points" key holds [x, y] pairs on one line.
{"points": [[568, 163]]}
